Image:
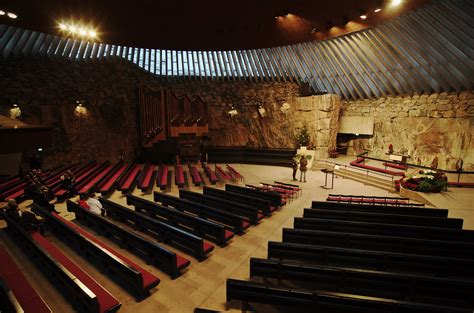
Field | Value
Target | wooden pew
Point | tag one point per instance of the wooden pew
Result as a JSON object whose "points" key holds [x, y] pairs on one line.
{"points": [[288, 299], [56, 187], [162, 180], [80, 288], [20, 290], [183, 240], [179, 176], [234, 222], [380, 209], [462, 250], [89, 185], [397, 286], [147, 177], [274, 197], [374, 200], [166, 260], [108, 184], [261, 204], [8, 301], [220, 172], [198, 226], [355, 216], [295, 187], [128, 274], [252, 213], [236, 176], [128, 181], [196, 178], [376, 260], [382, 229], [10, 182], [210, 174]]}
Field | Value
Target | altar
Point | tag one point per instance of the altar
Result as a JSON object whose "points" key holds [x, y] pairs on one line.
{"points": [[398, 157]]}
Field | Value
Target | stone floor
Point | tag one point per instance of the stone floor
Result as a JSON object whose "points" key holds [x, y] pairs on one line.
{"points": [[203, 283]]}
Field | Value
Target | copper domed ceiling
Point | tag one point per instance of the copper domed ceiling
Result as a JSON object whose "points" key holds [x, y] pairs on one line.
{"points": [[206, 25]]}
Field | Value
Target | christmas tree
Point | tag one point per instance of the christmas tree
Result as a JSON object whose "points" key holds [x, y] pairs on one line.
{"points": [[303, 136]]}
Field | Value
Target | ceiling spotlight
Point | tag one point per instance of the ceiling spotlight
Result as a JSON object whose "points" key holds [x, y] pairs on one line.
{"points": [[395, 3], [2, 12], [92, 34], [62, 26], [72, 29], [363, 16], [12, 15], [377, 10], [82, 31]]}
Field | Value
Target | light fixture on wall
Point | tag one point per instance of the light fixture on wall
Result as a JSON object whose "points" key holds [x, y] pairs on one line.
{"points": [[285, 107], [74, 29], [80, 109], [261, 111], [233, 111], [15, 112]]}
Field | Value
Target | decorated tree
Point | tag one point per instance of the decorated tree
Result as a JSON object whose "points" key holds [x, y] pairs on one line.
{"points": [[303, 137]]}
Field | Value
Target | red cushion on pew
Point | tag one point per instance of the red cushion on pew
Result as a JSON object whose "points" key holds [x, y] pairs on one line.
{"points": [[207, 247], [273, 208], [105, 299], [260, 215], [133, 174], [112, 179], [91, 183], [26, 295], [228, 234], [17, 194], [245, 224], [148, 278], [181, 262]]}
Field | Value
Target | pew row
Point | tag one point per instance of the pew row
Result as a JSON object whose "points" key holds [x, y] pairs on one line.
{"points": [[462, 250], [252, 213], [128, 181], [183, 240], [8, 301], [288, 299], [164, 259], [109, 183], [179, 176], [428, 221], [81, 289], [261, 204], [23, 295], [162, 180], [404, 210], [373, 260], [274, 197], [198, 226], [125, 272], [235, 223], [397, 286], [147, 178], [382, 229]]}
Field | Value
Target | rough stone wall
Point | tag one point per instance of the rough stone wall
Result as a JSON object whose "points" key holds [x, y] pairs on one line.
{"points": [[427, 126], [47, 89]]}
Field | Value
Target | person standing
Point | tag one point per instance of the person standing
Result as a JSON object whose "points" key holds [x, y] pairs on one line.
{"points": [[303, 168], [294, 166]]}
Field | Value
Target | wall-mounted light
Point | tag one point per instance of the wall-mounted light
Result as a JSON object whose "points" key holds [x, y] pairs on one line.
{"points": [[285, 108], [2, 12], [261, 111], [40, 149], [395, 3], [15, 111], [12, 15], [80, 109]]}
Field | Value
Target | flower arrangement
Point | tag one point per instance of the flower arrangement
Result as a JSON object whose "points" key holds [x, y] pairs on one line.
{"points": [[425, 181]]}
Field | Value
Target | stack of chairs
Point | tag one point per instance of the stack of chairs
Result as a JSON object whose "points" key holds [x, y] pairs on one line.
{"points": [[342, 257]]}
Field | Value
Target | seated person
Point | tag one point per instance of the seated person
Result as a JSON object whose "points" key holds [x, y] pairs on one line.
{"points": [[91, 204], [27, 220], [68, 182]]}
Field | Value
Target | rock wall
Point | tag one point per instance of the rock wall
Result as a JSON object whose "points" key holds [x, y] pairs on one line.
{"points": [[427, 126]]}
